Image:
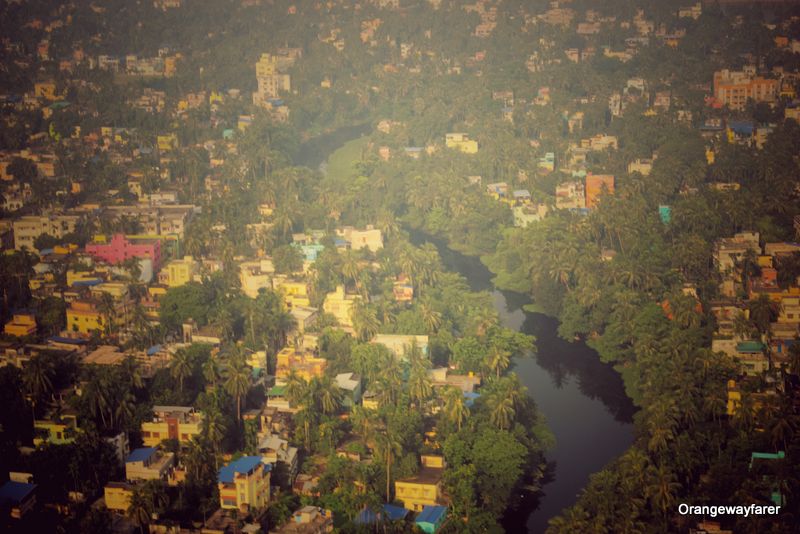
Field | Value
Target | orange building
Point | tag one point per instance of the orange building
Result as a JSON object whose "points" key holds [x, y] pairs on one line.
{"points": [[735, 88], [597, 184]]}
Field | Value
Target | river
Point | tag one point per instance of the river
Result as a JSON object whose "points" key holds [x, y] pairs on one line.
{"points": [[583, 399]]}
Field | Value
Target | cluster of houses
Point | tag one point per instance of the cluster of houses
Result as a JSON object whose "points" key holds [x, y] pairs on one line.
{"points": [[749, 274]]}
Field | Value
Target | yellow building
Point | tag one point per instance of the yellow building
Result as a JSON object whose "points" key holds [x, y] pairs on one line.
{"points": [[423, 489], [462, 142], [21, 325], [340, 305], [167, 143], [118, 496], [171, 422], [84, 317], [304, 364], [46, 90], [179, 272], [734, 398], [255, 275], [244, 484], [58, 431], [295, 293]]}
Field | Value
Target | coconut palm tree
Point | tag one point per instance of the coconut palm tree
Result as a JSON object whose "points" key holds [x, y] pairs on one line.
{"points": [[237, 382], [662, 488], [211, 371], [37, 377], [455, 409], [328, 394], [431, 317], [498, 360], [180, 367], [388, 447], [501, 411], [139, 508], [419, 384], [365, 321]]}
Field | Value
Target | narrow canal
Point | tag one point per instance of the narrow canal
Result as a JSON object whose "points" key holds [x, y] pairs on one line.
{"points": [[582, 399]]}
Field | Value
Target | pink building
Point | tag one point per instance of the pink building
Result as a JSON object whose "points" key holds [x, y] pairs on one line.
{"points": [[121, 248]]}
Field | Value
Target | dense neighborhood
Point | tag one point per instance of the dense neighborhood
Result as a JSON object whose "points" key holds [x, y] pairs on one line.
{"points": [[225, 301]]}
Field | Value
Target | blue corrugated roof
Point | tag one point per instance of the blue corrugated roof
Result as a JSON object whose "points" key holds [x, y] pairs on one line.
{"points": [[243, 465], [395, 513], [15, 492], [390, 512], [432, 514], [152, 350], [87, 283], [140, 455]]}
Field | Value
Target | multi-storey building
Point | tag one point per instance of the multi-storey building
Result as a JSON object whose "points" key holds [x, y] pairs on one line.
{"points": [[181, 423], [244, 484]]}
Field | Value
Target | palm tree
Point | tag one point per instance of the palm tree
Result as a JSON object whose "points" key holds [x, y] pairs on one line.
{"points": [[388, 448], [498, 360], [180, 368], [139, 508], [662, 488], [501, 411], [98, 396], [125, 409], [365, 321], [214, 431], [455, 409], [37, 379], [350, 269], [328, 394], [108, 310], [237, 382], [431, 317], [211, 371]]}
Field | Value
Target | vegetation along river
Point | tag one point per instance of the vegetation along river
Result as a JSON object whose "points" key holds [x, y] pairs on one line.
{"points": [[582, 399]]}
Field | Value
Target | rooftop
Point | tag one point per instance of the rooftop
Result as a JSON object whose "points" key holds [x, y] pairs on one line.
{"points": [[140, 455], [244, 465]]}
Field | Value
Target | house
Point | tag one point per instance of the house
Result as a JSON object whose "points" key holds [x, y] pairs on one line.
{"points": [[304, 316], [734, 88], [424, 488], [640, 165], [28, 228], [442, 377], [244, 484], [597, 184], [570, 195], [273, 449], [402, 290], [307, 520], [181, 423], [547, 163], [85, 316], [728, 251], [305, 364], [431, 518], [271, 82], [295, 292], [256, 275], [462, 142], [104, 355], [370, 237], [497, 190], [350, 384], [179, 272], [19, 497], [600, 142], [58, 430], [117, 496], [21, 325], [340, 305], [120, 248], [148, 463], [524, 215], [400, 344]]}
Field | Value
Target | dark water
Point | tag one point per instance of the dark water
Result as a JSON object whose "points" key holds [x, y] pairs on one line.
{"points": [[316, 150], [582, 399]]}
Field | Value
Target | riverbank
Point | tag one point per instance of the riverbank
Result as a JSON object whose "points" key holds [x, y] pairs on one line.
{"points": [[582, 399]]}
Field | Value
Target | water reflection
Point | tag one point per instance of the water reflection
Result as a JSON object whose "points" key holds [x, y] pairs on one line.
{"points": [[582, 399]]}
